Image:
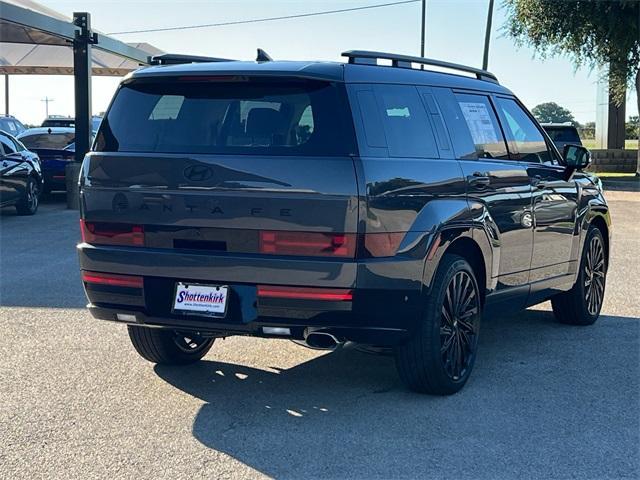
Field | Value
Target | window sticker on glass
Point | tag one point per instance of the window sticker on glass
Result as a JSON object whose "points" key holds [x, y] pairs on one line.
{"points": [[479, 121], [398, 112]]}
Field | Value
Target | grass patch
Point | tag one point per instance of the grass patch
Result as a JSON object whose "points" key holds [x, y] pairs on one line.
{"points": [[628, 144], [629, 176]]}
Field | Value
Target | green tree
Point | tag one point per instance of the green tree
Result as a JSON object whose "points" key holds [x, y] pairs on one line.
{"points": [[588, 131], [591, 32], [632, 127], [551, 112]]}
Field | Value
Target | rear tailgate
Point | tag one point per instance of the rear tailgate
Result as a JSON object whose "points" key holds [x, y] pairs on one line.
{"points": [[175, 192], [231, 182]]}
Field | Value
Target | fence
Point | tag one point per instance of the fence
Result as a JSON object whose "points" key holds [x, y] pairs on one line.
{"points": [[617, 161]]}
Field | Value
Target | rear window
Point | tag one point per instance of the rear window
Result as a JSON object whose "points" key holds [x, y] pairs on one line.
{"points": [[54, 141], [563, 134], [242, 117]]}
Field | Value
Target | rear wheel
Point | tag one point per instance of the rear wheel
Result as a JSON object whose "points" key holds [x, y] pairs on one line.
{"points": [[28, 204], [582, 304], [439, 358], [169, 347]]}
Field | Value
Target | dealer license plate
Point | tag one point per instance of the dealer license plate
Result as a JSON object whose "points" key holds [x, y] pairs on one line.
{"points": [[200, 299]]}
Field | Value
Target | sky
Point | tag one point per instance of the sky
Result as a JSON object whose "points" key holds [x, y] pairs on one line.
{"points": [[454, 32]]}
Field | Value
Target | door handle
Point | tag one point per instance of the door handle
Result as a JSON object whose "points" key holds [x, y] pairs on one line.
{"points": [[479, 180]]}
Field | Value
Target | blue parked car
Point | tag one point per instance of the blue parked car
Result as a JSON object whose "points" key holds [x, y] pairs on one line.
{"points": [[56, 147]]}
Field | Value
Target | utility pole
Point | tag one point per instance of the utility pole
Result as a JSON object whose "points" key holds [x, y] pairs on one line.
{"points": [[424, 27], [46, 101], [487, 37]]}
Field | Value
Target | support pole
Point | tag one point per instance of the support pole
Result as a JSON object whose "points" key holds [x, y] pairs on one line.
{"points": [[82, 90], [487, 37], [424, 27], [6, 94]]}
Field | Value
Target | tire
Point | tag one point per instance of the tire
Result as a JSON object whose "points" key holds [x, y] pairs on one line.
{"points": [[28, 204], [168, 347], [582, 304], [424, 362]]}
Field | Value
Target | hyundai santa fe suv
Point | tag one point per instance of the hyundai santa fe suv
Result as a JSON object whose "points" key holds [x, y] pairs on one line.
{"points": [[329, 202]]}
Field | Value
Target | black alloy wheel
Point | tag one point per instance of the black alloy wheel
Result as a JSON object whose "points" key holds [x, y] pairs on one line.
{"points": [[439, 355], [582, 304], [189, 342], [169, 347], [594, 275], [458, 327]]}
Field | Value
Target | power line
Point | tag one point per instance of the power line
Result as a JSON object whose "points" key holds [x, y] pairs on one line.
{"points": [[267, 19]]}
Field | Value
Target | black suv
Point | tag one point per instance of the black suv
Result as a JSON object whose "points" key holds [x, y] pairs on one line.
{"points": [[328, 202]]}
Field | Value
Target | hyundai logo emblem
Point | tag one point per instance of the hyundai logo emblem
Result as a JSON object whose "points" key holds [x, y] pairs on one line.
{"points": [[198, 173]]}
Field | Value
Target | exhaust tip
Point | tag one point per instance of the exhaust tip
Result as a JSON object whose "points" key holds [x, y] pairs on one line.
{"points": [[321, 340]]}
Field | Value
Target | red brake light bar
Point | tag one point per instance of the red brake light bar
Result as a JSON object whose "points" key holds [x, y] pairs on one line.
{"points": [[214, 78], [101, 233], [306, 293], [308, 243], [379, 244], [112, 279]]}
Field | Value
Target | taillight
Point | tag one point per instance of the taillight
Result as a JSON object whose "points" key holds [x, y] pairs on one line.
{"points": [[308, 243], [112, 279], [306, 293], [102, 233], [379, 244], [382, 244]]}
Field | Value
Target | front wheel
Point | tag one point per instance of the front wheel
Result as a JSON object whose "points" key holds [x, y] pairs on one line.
{"points": [[582, 304], [439, 358], [168, 347]]}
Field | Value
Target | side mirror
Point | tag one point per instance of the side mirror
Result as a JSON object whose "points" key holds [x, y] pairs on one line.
{"points": [[576, 157]]}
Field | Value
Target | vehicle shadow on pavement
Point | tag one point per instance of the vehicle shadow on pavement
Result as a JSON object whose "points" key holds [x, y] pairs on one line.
{"points": [[38, 260], [53, 199], [346, 414]]}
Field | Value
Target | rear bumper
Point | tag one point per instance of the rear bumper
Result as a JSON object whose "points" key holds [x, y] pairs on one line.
{"points": [[344, 331], [385, 305], [54, 176]]}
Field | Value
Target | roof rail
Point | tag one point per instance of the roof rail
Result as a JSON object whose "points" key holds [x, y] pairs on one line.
{"points": [[365, 57], [176, 58]]}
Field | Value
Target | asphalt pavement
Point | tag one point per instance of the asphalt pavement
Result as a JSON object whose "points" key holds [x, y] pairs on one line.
{"points": [[545, 400]]}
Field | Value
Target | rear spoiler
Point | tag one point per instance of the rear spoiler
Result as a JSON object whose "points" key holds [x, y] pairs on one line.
{"points": [[178, 58]]}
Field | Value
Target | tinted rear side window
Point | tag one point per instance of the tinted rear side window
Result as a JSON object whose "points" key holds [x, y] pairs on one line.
{"points": [[406, 125], [563, 134], [278, 117]]}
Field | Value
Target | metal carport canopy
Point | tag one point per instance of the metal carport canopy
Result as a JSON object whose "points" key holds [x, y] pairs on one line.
{"points": [[29, 59], [38, 40], [27, 22]]}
